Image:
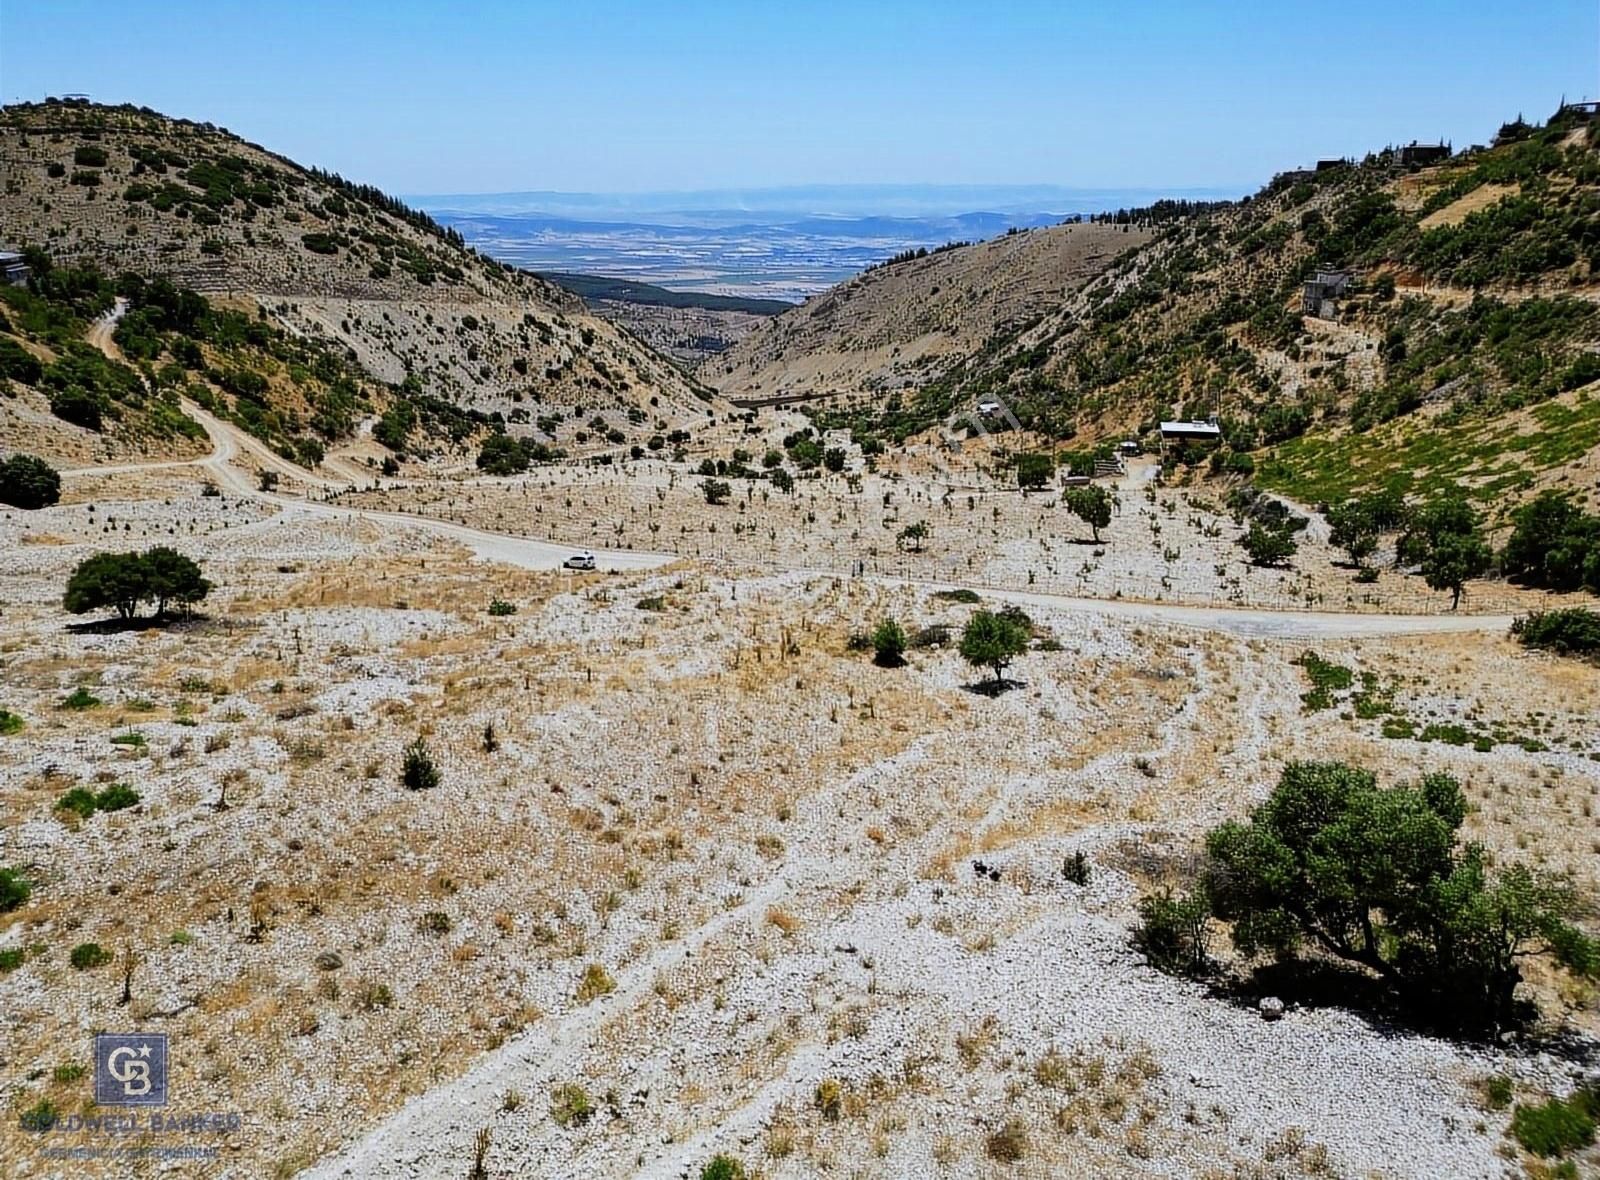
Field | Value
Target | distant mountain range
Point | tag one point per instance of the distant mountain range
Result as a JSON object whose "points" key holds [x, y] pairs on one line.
{"points": [[724, 207], [780, 243]]}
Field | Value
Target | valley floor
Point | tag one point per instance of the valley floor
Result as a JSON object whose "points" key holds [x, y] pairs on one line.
{"points": [[691, 854]]}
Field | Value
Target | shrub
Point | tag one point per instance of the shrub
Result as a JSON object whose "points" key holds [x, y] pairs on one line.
{"points": [[10, 959], [962, 595], [828, 1098], [499, 608], [320, 243], [9, 723], [417, 769], [79, 699], [88, 156], [79, 800], [86, 956], [14, 890], [1571, 630], [1558, 1126], [28, 482], [716, 491], [1009, 1144], [889, 644], [596, 982], [1172, 932], [570, 1105], [116, 797], [79, 407], [723, 1167]]}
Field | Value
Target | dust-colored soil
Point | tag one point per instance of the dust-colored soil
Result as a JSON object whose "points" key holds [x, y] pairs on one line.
{"points": [[680, 773]]}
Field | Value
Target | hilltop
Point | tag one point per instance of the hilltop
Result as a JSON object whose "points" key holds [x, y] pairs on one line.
{"points": [[326, 261], [906, 322]]}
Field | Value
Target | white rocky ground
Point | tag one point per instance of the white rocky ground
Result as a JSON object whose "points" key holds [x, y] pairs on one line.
{"points": [[764, 842]]}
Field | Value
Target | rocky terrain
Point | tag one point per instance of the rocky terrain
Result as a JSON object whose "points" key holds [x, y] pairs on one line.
{"points": [[434, 854], [774, 901], [128, 189]]}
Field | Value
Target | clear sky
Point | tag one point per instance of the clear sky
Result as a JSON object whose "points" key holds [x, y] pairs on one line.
{"points": [[600, 95]]}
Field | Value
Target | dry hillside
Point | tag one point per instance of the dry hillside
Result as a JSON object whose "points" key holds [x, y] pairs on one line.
{"points": [[130, 190], [904, 323]]}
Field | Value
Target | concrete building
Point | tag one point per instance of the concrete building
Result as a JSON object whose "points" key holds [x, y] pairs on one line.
{"points": [[13, 269], [1322, 293]]}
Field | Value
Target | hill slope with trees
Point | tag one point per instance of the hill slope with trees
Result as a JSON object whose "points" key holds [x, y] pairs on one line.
{"points": [[126, 190], [1464, 352]]}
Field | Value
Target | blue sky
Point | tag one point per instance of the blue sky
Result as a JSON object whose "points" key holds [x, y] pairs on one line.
{"points": [[597, 95]]}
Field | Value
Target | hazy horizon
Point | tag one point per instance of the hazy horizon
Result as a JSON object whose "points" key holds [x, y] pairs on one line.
{"points": [[497, 96]]}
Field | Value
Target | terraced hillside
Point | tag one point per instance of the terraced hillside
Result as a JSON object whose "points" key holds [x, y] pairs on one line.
{"points": [[129, 190], [903, 324], [1465, 348]]}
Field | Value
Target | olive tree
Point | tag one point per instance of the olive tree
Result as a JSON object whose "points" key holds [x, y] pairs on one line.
{"points": [[1091, 504], [993, 640], [1376, 876], [28, 482]]}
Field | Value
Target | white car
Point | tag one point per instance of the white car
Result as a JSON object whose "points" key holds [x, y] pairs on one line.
{"points": [[581, 561]]}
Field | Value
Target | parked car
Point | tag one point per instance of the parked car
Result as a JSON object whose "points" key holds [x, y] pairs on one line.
{"points": [[581, 561]]}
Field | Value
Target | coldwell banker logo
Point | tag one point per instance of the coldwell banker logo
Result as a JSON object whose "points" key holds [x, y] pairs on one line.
{"points": [[130, 1069]]}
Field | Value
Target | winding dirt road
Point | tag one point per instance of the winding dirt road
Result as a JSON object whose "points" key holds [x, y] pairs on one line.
{"points": [[232, 448]]}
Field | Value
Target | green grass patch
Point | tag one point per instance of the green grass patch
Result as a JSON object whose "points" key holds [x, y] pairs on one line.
{"points": [[1489, 458], [1558, 1126]]}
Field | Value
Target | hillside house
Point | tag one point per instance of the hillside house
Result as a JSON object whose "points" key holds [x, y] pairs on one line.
{"points": [[13, 270], [1420, 155], [1204, 432], [1323, 291]]}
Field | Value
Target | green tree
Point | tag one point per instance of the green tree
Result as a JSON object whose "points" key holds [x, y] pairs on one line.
{"points": [[1268, 545], [781, 480], [1351, 527], [1453, 561], [716, 491], [28, 482], [1445, 542], [170, 577], [913, 535], [833, 459], [394, 428], [79, 406], [1553, 543], [889, 644], [107, 579], [1035, 469], [993, 640], [500, 454], [1375, 876], [1092, 505]]}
